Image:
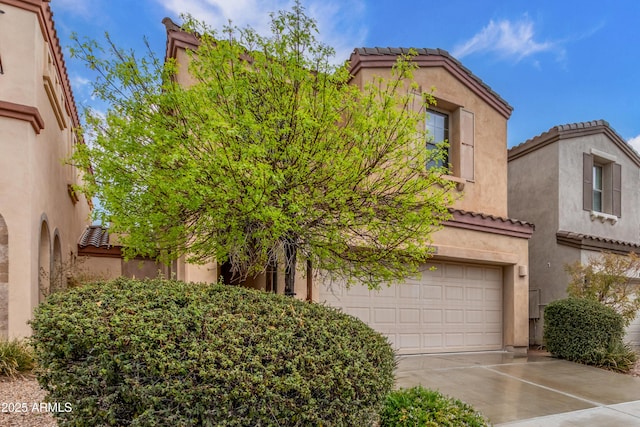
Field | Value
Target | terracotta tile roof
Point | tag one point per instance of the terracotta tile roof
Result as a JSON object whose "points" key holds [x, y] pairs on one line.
{"points": [[95, 235], [590, 242], [491, 217], [573, 130], [489, 223], [423, 55]]}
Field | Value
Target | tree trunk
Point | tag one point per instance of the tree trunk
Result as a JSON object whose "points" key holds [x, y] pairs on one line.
{"points": [[290, 252]]}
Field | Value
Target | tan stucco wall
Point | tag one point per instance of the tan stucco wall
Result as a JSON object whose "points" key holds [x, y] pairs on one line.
{"points": [[487, 192], [31, 164]]}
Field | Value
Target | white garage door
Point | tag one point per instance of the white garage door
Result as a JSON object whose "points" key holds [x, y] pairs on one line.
{"points": [[448, 307]]}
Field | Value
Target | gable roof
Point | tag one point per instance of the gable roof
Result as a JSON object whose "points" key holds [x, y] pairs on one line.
{"points": [[379, 57], [573, 130]]}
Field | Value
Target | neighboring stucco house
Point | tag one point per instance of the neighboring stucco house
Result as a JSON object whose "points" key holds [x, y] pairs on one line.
{"points": [[41, 217], [476, 296], [579, 184]]}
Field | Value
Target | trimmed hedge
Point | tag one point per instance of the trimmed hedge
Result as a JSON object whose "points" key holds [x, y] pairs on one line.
{"points": [[581, 330], [420, 407], [161, 352]]}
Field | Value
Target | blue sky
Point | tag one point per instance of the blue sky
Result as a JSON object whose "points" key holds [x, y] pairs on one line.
{"points": [[555, 62]]}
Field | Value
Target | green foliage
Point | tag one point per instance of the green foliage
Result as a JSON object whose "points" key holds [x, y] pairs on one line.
{"points": [[269, 144], [607, 279], [419, 407], [162, 352], [618, 356], [586, 331], [15, 356]]}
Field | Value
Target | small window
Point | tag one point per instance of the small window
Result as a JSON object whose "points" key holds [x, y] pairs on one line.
{"points": [[438, 132], [597, 188], [602, 185]]}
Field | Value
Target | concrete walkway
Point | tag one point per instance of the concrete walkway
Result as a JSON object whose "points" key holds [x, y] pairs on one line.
{"points": [[528, 391]]}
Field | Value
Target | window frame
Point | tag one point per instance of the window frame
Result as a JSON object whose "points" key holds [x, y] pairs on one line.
{"points": [[610, 186], [432, 144]]}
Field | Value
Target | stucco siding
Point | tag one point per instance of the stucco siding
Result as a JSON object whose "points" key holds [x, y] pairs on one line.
{"points": [[572, 216], [487, 192]]}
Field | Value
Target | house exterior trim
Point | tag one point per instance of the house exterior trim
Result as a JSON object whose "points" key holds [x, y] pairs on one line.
{"points": [[22, 112], [489, 224], [386, 57], [595, 243], [45, 19], [178, 39], [573, 130]]}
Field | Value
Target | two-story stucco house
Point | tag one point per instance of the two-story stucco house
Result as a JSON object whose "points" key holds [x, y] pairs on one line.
{"points": [[41, 217], [578, 183], [473, 295]]}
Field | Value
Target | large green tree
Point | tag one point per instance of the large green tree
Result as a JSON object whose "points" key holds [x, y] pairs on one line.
{"points": [[272, 152]]}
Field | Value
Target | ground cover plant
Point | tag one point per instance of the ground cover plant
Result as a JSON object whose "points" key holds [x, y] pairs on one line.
{"points": [[16, 356], [162, 352], [420, 407]]}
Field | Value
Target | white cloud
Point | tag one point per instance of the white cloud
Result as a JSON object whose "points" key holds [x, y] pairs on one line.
{"points": [[635, 143], [78, 7], [337, 20], [506, 38]]}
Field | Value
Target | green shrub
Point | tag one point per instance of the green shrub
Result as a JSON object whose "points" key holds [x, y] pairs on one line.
{"points": [[15, 356], [420, 407], [582, 330], [163, 352]]}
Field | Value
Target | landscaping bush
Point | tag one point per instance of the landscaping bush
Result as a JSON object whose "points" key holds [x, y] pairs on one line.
{"points": [[586, 331], [420, 407], [15, 356], [163, 352]]}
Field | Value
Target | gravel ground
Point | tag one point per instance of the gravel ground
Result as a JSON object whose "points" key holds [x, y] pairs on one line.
{"points": [[20, 400]]}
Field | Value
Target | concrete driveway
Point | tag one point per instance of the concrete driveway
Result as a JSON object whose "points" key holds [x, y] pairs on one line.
{"points": [[528, 391]]}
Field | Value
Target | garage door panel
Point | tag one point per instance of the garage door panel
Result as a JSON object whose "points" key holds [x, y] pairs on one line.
{"points": [[409, 290], [433, 317], [384, 315], [454, 293], [454, 271], [410, 316], [432, 293], [456, 307], [474, 273], [474, 317], [362, 313]]}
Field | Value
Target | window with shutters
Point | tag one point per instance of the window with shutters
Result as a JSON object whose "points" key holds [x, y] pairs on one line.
{"points": [[454, 125], [437, 124], [602, 178]]}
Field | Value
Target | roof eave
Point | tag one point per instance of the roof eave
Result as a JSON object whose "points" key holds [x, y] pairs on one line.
{"points": [[429, 58]]}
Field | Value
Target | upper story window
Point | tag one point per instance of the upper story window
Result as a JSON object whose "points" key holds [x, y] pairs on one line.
{"points": [[597, 188], [602, 186], [438, 132], [455, 125]]}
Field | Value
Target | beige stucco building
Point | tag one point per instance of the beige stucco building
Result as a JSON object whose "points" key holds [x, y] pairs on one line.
{"points": [[41, 217], [473, 295]]}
